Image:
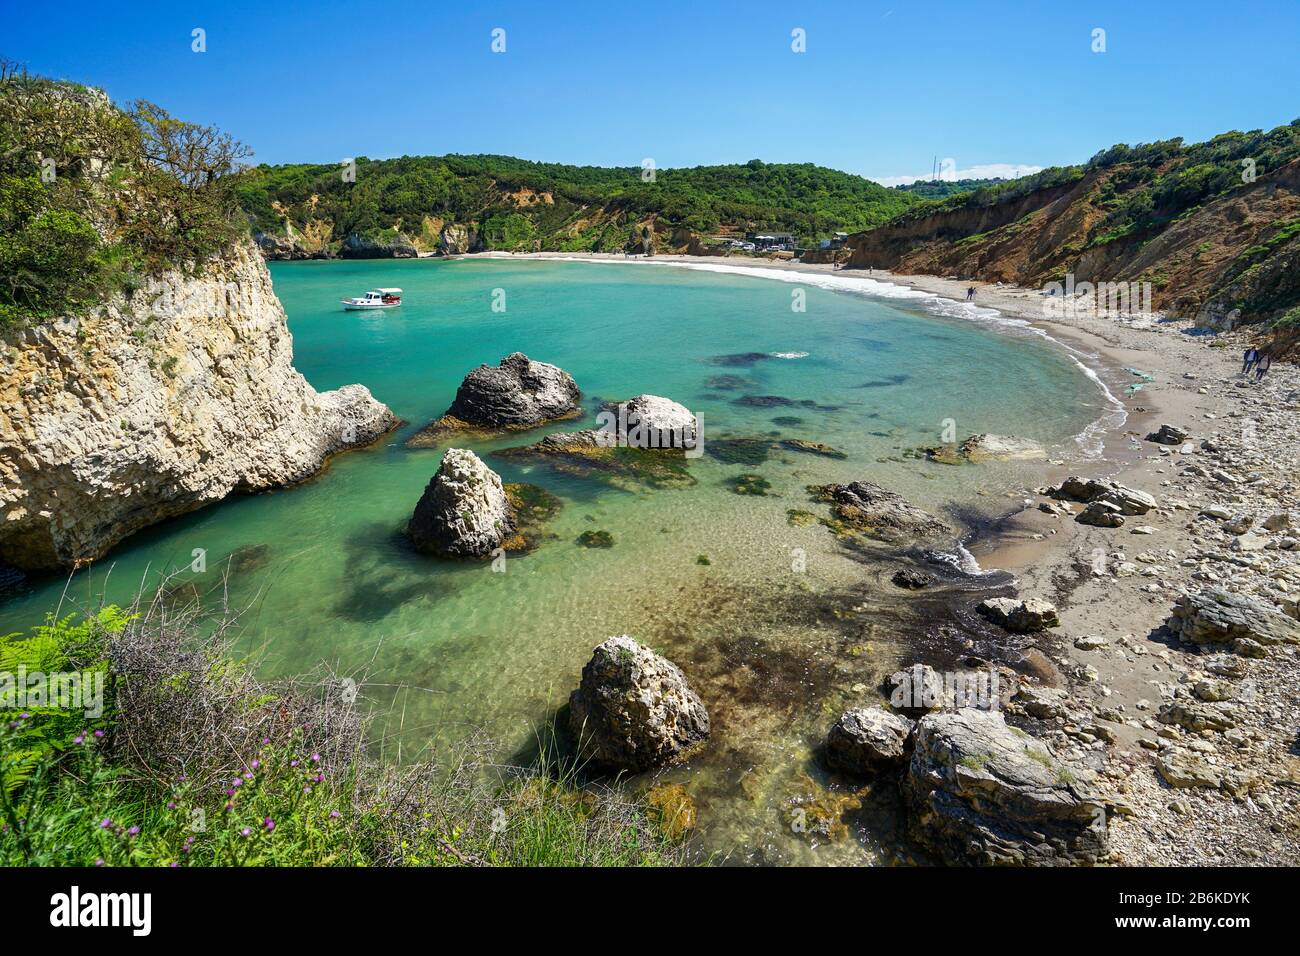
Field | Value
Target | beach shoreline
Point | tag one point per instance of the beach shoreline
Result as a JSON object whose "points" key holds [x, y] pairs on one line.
{"points": [[1104, 590]]}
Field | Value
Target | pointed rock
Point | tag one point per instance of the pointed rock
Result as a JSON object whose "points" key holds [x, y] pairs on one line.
{"points": [[633, 709], [463, 512]]}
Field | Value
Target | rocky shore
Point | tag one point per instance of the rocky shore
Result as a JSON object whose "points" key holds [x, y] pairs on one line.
{"points": [[1171, 676]]}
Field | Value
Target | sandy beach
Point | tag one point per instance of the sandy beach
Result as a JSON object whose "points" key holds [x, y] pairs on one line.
{"points": [[1119, 668]]}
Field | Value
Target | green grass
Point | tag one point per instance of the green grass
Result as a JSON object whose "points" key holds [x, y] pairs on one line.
{"points": [[177, 773]]}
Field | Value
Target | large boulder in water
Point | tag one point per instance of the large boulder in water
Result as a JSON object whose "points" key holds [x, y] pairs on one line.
{"points": [[633, 709], [978, 793], [865, 506], [515, 395], [867, 739], [649, 421], [463, 512]]}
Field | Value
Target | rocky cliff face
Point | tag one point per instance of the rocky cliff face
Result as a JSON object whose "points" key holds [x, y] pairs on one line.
{"points": [[456, 239], [1233, 258], [396, 246], [154, 406]]}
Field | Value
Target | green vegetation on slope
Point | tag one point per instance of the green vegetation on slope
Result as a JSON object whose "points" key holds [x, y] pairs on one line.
{"points": [[1158, 182], [1223, 214], [196, 763], [515, 204], [943, 188], [1152, 183], [93, 197]]}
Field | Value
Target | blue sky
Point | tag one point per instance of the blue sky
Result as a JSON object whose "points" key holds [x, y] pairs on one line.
{"points": [[884, 87]]}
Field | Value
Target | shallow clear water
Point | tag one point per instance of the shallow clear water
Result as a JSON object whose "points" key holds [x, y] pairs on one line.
{"points": [[775, 652]]}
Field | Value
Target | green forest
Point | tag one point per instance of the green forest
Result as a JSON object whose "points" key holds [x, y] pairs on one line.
{"points": [[517, 205]]}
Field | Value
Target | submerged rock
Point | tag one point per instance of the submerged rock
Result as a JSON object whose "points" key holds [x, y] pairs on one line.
{"points": [[980, 793], [866, 739], [633, 709], [517, 394], [464, 512], [755, 485], [596, 539], [728, 383], [642, 442], [878, 512], [755, 451], [812, 448], [584, 454], [987, 447], [740, 451], [1221, 617], [673, 810]]}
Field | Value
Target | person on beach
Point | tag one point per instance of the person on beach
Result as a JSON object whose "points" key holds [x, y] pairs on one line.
{"points": [[1250, 357], [1262, 365], [970, 294]]}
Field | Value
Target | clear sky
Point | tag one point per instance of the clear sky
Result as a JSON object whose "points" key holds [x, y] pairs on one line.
{"points": [[883, 88]]}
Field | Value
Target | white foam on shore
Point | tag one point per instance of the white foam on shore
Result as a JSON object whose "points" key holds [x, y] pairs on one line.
{"points": [[1091, 440], [961, 559]]}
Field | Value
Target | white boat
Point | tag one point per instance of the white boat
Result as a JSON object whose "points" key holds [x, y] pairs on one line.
{"points": [[375, 299]]}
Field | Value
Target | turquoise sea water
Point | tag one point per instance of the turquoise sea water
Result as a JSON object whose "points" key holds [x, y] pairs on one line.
{"points": [[776, 630]]}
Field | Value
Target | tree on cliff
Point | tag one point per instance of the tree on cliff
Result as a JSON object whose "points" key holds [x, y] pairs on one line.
{"points": [[92, 196], [188, 170]]}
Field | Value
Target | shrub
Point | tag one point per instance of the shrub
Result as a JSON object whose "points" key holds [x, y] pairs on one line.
{"points": [[90, 194], [197, 762]]}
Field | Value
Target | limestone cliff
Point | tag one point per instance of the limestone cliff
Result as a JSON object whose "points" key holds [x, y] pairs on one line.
{"points": [[155, 405]]}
